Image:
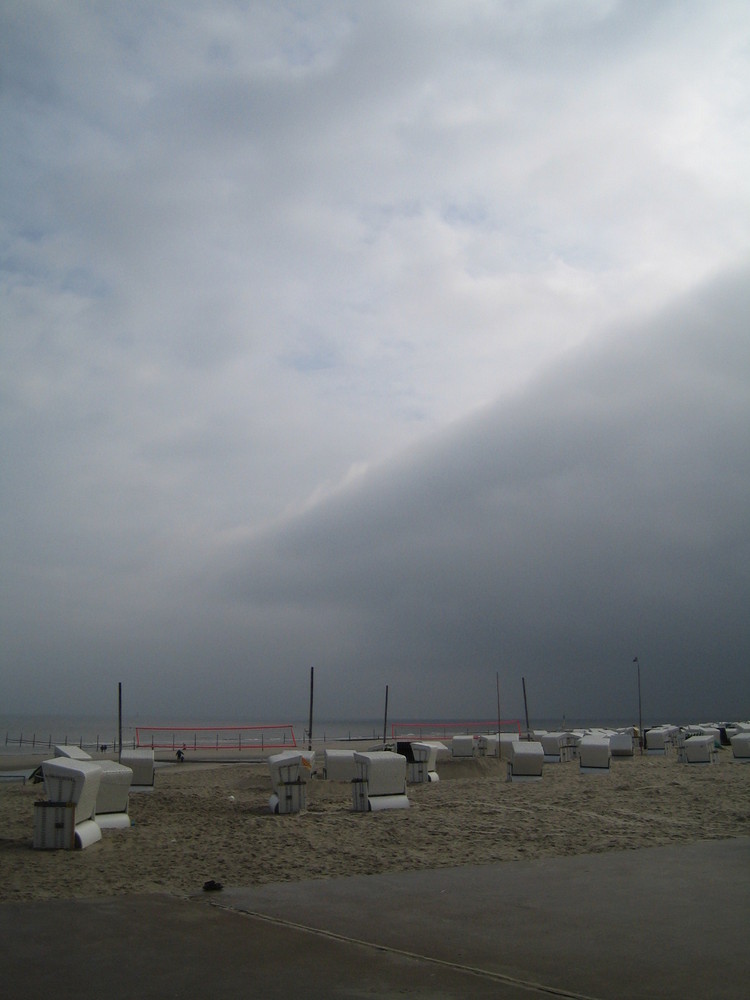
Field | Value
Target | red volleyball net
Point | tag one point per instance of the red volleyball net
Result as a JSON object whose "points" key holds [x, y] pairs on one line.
{"points": [[234, 738]]}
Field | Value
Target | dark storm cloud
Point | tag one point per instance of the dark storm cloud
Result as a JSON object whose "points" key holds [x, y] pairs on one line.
{"points": [[602, 513]]}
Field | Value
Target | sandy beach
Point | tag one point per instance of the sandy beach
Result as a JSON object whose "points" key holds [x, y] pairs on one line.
{"points": [[212, 821]]}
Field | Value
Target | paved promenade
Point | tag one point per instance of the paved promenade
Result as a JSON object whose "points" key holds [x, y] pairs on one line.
{"points": [[663, 923]]}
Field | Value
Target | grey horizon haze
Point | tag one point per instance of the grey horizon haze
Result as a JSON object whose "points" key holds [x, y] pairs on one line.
{"points": [[408, 342]]}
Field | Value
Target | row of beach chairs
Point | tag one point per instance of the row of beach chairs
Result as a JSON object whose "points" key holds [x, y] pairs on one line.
{"points": [[686, 741], [378, 778]]}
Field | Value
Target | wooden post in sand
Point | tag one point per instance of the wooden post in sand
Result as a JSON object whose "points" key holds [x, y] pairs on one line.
{"points": [[119, 721], [497, 686], [640, 713], [309, 725], [385, 716], [526, 709]]}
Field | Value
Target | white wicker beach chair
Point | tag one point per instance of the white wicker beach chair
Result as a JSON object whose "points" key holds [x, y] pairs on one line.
{"points": [[380, 782], [526, 761]]}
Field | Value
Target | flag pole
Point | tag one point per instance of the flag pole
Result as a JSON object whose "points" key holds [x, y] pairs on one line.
{"points": [[309, 724], [526, 709], [385, 716], [497, 686]]}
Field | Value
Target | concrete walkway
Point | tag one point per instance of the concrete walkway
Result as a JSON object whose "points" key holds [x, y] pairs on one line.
{"points": [[663, 923]]}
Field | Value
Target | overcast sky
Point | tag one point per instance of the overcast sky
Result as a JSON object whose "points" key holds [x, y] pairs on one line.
{"points": [[406, 341]]}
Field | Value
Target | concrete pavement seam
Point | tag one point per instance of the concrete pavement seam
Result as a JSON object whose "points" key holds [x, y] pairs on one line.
{"points": [[403, 953]]}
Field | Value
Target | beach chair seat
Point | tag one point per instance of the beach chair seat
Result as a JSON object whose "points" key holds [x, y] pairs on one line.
{"points": [[488, 745], [526, 761], [141, 762], [75, 783], [290, 772], [338, 765], [463, 746], [594, 754], [701, 750], [552, 745], [659, 739], [741, 747], [112, 797], [423, 765], [380, 782], [621, 744]]}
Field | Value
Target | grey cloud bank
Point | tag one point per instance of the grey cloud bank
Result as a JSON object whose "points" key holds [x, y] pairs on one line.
{"points": [[601, 514], [408, 342]]}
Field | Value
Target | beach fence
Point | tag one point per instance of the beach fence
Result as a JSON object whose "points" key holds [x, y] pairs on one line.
{"points": [[40, 743], [231, 739]]}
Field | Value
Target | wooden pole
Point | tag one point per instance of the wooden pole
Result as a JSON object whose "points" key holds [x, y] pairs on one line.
{"points": [[385, 716], [497, 686], [310, 723], [526, 709], [119, 721], [640, 712]]}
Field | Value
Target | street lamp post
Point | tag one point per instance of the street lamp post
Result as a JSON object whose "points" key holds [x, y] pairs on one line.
{"points": [[640, 713]]}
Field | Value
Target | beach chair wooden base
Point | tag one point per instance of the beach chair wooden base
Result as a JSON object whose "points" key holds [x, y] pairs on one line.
{"points": [[54, 826], [417, 772], [288, 799]]}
